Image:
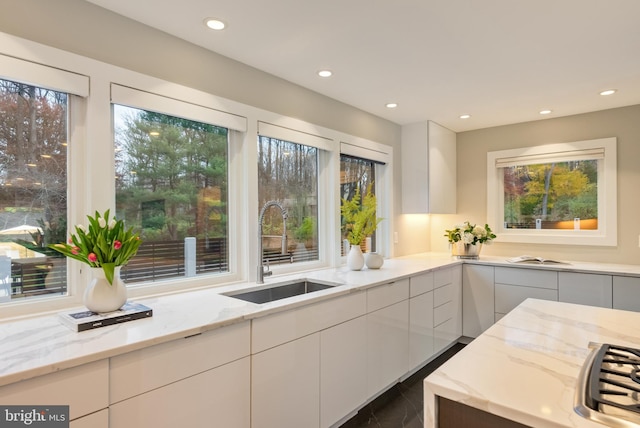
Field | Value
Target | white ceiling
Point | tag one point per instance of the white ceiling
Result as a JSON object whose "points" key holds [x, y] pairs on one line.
{"points": [[502, 61]]}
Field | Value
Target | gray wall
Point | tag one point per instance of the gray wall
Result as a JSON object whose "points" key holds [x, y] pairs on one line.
{"points": [[622, 123]]}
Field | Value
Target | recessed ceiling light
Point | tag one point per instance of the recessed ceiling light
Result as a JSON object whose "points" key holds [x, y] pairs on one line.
{"points": [[214, 24], [465, 116], [392, 105], [545, 111], [608, 92], [325, 73]]}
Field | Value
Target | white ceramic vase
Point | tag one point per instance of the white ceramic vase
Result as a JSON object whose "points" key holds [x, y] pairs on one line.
{"points": [[373, 260], [355, 258], [100, 296]]}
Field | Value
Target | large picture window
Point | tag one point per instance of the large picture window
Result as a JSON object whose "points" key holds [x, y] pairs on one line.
{"points": [[288, 175], [33, 190], [171, 185], [356, 173], [562, 193]]}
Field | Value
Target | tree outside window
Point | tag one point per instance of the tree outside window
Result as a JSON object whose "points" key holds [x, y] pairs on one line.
{"points": [[33, 188], [171, 184], [288, 174], [355, 173], [551, 195]]}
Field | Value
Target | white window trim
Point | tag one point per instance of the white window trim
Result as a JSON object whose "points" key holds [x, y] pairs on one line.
{"points": [[607, 233], [379, 153], [131, 97], [34, 74]]}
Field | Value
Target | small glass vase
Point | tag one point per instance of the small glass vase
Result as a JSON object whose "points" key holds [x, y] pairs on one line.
{"points": [[102, 297], [465, 251]]}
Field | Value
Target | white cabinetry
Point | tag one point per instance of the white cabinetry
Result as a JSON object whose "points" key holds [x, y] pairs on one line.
{"points": [[85, 389], [184, 382], [303, 354], [387, 335], [217, 397], [420, 319], [285, 385], [477, 299], [447, 307], [343, 376], [626, 293], [428, 168], [95, 420], [514, 285], [586, 289]]}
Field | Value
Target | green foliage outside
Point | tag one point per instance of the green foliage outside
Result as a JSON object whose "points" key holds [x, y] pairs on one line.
{"points": [[171, 176], [552, 192]]}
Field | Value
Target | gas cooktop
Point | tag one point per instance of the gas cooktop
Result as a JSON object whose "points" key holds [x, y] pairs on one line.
{"points": [[609, 386]]}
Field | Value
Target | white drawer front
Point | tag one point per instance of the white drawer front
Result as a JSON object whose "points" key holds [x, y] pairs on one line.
{"points": [[149, 368], [527, 277], [387, 295], [421, 284], [276, 329], [84, 388], [442, 295], [442, 314], [510, 296], [443, 277]]}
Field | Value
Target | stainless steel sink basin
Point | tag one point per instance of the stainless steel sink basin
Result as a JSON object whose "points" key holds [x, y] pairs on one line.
{"points": [[279, 291]]}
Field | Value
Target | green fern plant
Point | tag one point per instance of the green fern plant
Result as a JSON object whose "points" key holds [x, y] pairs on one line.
{"points": [[359, 216]]}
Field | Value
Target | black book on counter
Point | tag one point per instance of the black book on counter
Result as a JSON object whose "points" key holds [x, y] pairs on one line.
{"points": [[86, 320]]}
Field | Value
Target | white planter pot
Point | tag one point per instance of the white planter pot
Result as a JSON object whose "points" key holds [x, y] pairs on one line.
{"points": [[355, 258], [100, 296], [373, 260]]}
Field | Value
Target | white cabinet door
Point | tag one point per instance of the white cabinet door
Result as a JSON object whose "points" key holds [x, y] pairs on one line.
{"points": [[343, 376], [428, 168], [387, 346], [585, 289], [626, 293], [285, 385], [509, 296], [94, 420], [85, 389], [420, 329], [477, 299], [447, 309], [217, 397], [140, 371]]}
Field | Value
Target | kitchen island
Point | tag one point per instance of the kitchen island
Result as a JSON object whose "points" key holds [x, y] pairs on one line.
{"points": [[524, 369]]}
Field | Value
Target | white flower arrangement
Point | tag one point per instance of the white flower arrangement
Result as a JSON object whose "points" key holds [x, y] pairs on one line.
{"points": [[470, 234]]}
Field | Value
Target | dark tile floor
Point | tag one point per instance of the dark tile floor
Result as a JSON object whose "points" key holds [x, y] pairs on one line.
{"points": [[402, 405]]}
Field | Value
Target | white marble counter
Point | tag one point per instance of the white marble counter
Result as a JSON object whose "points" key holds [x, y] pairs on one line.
{"points": [[42, 345], [525, 367], [568, 266]]}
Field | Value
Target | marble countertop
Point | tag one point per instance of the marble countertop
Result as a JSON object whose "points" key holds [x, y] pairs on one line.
{"points": [[41, 345], [35, 346], [525, 367], [567, 266]]}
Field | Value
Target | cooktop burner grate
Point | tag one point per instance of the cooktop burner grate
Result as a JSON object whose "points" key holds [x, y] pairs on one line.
{"points": [[614, 379]]}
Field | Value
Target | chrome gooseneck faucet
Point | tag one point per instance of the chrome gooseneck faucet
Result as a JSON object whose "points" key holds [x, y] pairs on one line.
{"points": [[261, 268]]}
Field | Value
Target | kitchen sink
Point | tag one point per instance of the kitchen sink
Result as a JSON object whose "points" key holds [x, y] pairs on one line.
{"points": [[282, 290]]}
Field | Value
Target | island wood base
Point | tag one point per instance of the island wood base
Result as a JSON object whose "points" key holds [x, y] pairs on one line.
{"points": [[452, 414]]}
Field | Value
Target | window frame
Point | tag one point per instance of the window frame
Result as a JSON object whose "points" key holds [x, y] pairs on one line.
{"points": [[92, 165], [382, 157], [236, 126], [605, 235]]}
